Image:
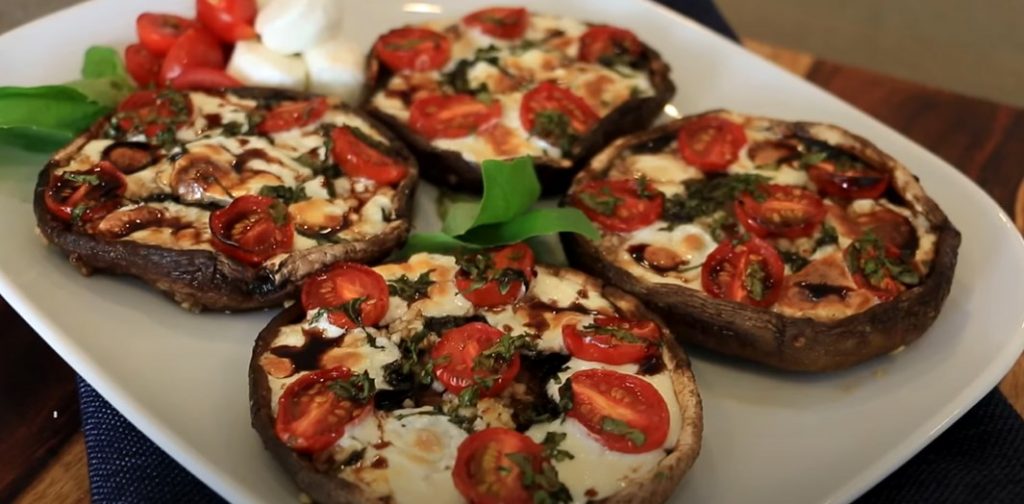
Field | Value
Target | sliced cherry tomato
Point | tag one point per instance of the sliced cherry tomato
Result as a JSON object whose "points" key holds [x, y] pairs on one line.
{"points": [[484, 474], [204, 78], [457, 364], [452, 116], [153, 112], [195, 48], [612, 340], [158, 32], [893, 229], [357, 158], [142, 65], [310, 416], [413, 49], [619, 205], [556, 114], [345, 288], [229, 20], [87, 195], [609, 45], [849, 182], [711, 143], [252, 229], [624, 412], [780, 211], [500, 22], [750, 272], [497, 277], [293, 114]]}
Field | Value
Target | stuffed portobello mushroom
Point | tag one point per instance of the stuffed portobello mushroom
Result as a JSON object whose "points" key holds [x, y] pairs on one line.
{"points": [[477, 378], [224, 200], [793, 244], [505, 82]]}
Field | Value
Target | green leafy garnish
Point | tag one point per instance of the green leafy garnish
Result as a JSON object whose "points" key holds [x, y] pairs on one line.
{"points": [[82, 178], [618, 427], [556, 128], [78, 212], [408, 289], [565, 397], [828, 237], [358, 388], [504, 215], [544, 485], [707, 196], [502, 352], [754, 281], [866, 255], [604, 202], [623, 335], [551, 443], [794, 260], [812, 158], [287, 195], [353, 310], [458, 78], [44, 118], [278, 212]]}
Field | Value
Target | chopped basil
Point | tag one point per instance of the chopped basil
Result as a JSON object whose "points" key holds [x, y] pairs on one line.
{"points": [[408, 289], [866, 255], [705, 197], [794, 260], [603, 203], [78, 212], [565, 397], [643, 188], [828, 237], [458, 78], [503, 351], [618, 427], [812, 158], [480, 269], [353, 310], [82, 178], [754, 281], [551, 450], [544, 485], [287, 195], [623, 335], [278, 212], [233, 128], [554, 127], [358, 388]]}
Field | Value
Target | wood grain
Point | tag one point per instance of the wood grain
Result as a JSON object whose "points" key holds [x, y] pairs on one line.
{"points": [[983, 139], [38, 404]]}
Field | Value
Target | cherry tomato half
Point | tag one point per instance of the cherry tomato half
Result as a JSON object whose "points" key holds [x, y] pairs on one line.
{"points": [[413, 49], [623, 412], [780, 211], [867, 261], [158, 32], [609, 45], [352, 285], [613, 340], [455, 359], [293, 114], [496, 277], [749, 273], [500, 22], [556, 114], [619, 205], [310, 416], [252, 229], [483, 473], [153, 112], [229, 20], [195, 48], [854, 182], [142, 65], [204, 78], [86, 195], [452, 116], [359, 159], [711, 143]]}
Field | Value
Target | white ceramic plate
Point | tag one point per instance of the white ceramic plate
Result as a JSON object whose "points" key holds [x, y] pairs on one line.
{"points": [[181, 378]]}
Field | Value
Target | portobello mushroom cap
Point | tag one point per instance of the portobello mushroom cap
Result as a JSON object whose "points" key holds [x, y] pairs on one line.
{"points": [[447, 168], [327, 488], [760, 334], [203, 280]]}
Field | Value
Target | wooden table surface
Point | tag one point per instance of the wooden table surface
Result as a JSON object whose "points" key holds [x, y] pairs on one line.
{"points": [[42, 452]]}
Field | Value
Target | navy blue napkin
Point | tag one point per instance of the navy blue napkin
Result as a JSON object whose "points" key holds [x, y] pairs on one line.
{"points": [[979, 459]]}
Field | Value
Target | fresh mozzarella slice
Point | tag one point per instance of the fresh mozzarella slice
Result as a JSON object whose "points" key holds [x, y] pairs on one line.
{"points": [[336, 68], [253, 64], [293, 26], [421, 454]]}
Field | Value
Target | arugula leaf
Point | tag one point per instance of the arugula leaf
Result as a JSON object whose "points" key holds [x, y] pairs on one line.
{"points": [[510, 189], [618, 427]]}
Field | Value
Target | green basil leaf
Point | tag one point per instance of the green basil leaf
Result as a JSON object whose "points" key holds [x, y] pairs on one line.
{"points": [[102, 62], [35, 139], [510, 189], [108, 91], [538, 222]]}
